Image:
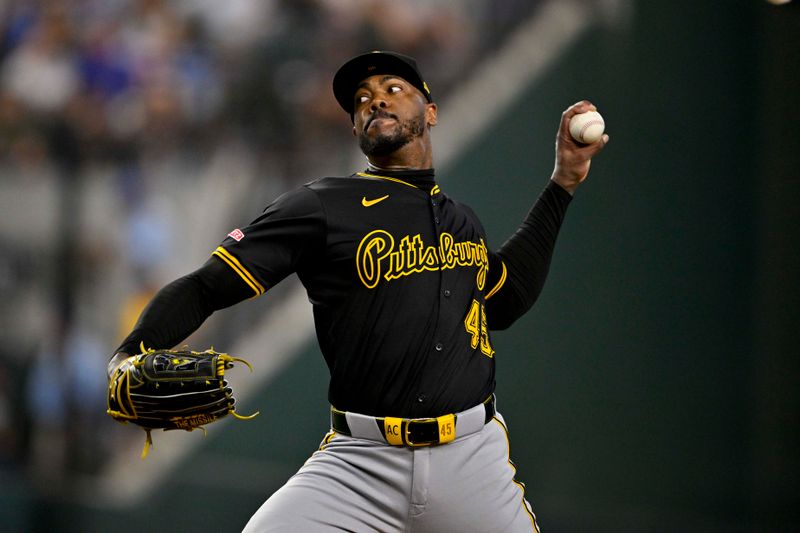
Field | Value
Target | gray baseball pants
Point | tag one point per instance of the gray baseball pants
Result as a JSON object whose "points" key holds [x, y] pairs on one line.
{"points": [[366, 485]]}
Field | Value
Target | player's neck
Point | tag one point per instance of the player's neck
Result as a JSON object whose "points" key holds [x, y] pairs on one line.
{"points": [[416, 155]]}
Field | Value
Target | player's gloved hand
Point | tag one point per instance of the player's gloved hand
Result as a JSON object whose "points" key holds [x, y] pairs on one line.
{"points": [[572, 158], [171, 389]]}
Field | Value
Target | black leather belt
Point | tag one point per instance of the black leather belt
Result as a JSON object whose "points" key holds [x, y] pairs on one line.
{"points": [[413, 431]]}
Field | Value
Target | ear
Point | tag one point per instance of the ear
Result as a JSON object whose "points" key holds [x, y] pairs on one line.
{"points": [[431, 113]]}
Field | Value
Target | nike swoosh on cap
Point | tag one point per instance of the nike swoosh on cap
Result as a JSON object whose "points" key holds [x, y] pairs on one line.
{"points": [[368, 203]]}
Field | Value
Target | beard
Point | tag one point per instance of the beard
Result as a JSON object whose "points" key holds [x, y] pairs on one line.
{"points": [[387, 143]]}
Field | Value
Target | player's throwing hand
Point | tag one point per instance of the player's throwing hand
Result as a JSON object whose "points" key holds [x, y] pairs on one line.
{"points": [[573, 158]]}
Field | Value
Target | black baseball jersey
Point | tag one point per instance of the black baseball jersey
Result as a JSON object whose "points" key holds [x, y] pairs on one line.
{"points": [[403, 284], [397, 273]]}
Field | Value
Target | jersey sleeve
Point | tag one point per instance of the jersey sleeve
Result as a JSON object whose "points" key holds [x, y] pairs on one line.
{"points": [[288, 235], [517, 271], [180, 307]]}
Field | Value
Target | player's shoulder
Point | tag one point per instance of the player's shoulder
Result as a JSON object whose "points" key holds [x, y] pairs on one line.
{"points": [[294, 202], [333, 183], [332, 190], [468, 211], [312, 194], [462, 206]]}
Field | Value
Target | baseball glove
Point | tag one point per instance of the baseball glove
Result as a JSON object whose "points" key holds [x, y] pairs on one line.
{"points": [[172, 389]]}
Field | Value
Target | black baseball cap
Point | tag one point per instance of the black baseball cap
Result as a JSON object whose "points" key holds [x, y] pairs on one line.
{"points": [[353, 72]]}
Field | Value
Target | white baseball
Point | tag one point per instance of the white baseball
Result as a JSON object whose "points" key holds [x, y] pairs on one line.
{"points": [[587, 128]]}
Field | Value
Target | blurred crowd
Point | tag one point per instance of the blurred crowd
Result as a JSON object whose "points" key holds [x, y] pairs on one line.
{"points": [[126, 128]]}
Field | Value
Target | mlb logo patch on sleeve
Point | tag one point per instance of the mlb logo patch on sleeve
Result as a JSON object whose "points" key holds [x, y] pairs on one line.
{"points": [[236, 235]]}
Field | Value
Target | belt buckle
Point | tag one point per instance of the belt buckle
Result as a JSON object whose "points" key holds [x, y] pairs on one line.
{"points": [[445, 430], [414, 422]]}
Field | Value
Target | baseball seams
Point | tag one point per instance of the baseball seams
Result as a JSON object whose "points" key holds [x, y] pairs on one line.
{"points": [[588, 125]]}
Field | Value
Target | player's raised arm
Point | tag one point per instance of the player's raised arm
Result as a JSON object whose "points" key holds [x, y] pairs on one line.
{"points": [[526, 255]]}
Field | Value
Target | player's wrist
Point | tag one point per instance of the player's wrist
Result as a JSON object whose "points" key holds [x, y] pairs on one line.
{"points": [[115, 361], [567, 184]]}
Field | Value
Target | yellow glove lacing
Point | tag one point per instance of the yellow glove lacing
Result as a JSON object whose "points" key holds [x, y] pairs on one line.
{"points": [[116, 386]]}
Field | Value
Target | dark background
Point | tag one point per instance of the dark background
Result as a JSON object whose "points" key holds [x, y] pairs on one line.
{"points": [[654, 385]]}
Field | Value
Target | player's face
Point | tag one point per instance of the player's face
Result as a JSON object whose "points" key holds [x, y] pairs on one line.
{"points": [[389, 113]]}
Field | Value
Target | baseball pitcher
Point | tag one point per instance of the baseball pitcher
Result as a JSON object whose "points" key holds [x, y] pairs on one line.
{"points": [[405, 291]]}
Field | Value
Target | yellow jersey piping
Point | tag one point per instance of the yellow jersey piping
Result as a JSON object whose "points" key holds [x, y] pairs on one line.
{"points": [[237, 267], [500, 283], [365, 175]]}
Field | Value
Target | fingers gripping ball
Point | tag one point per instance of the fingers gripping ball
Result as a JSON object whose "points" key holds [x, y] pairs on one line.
{"points": [[587, 128], [172, 389]]}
